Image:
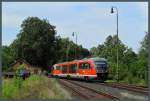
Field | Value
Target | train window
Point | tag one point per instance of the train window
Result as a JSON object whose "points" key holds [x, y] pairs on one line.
{"points": [[57, 67], [64, 69], [73, 68], [84, 66]]}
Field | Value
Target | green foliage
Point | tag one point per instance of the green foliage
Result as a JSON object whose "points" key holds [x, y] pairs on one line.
{"points": [[22, 66], [132, 67], [38, 44], [19, 69], [68, 50], [144, 43], [35, 42], [7, 58], [11, 88], [39, 87]]}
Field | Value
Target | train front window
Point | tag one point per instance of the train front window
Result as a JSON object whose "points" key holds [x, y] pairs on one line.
{"points": [[100, 64]]}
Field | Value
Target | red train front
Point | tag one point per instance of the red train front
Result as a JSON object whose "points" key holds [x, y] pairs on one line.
{"points": [[88, 69]]}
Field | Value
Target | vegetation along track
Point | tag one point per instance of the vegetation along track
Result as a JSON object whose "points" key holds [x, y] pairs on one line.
{"points": [[133, 88], [86, 92]]}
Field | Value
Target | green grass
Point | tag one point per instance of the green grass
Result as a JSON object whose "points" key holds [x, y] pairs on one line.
{"points": [[133, 81], [39, 87], [110, 81]]}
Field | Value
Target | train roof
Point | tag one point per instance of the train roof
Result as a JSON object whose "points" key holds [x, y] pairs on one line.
{"points": [[93, 58], [96, 59], [66, 62]]}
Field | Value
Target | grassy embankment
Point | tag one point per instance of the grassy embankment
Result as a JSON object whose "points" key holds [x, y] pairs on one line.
{"points": [[133, 81], [34, 87]]}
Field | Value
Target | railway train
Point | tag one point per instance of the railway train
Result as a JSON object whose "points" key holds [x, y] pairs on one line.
{"points": [[87, 69]]}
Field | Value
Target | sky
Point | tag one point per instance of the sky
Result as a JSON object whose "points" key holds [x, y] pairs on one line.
{"points": [[92, 21]]}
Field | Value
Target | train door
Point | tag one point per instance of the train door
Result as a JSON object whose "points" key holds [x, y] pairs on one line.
{"points": [[84, 68], [64, 69], [73, 68], [56, 70]]}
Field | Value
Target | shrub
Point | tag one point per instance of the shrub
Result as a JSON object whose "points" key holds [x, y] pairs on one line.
{"points": [[33, 87]]}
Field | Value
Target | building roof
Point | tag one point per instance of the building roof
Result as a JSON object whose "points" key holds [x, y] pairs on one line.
{"points": [[20, 60]]}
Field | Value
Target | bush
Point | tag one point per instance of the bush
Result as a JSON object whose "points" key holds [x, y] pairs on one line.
{"points": [[11, 88], [39, 87]]}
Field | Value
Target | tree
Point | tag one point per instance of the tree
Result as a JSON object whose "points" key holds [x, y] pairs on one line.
{"points": [[144, 43], [142, 63], [94, 51], [108, 50], [66, 50], [132, 67], [7, 58], [36, 42]]}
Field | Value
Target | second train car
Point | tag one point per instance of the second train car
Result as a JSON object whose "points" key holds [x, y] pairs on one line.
{"points": [[88, 69]]}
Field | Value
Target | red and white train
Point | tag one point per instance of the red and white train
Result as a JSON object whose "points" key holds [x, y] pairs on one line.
{"points": [[88, 69]]}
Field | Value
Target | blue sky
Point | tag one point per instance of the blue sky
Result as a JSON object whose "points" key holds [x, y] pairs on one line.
{"points": [[92, 21]]}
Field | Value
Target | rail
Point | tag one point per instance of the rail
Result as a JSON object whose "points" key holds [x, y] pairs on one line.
{"points": [[137, 89], [104, 94]]}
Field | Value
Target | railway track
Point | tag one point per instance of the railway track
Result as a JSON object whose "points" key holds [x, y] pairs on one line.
{"points": [[85, 91], [133, 88]]}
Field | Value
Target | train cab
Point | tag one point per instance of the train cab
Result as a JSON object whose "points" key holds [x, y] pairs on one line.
{"points": [[101, 67]]}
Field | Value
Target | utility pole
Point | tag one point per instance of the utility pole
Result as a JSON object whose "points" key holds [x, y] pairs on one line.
{"points": [[73, 34], [112, 11], [67, 53]]}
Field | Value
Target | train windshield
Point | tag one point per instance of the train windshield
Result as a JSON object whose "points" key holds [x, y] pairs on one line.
{"points": [[100, 64]]}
